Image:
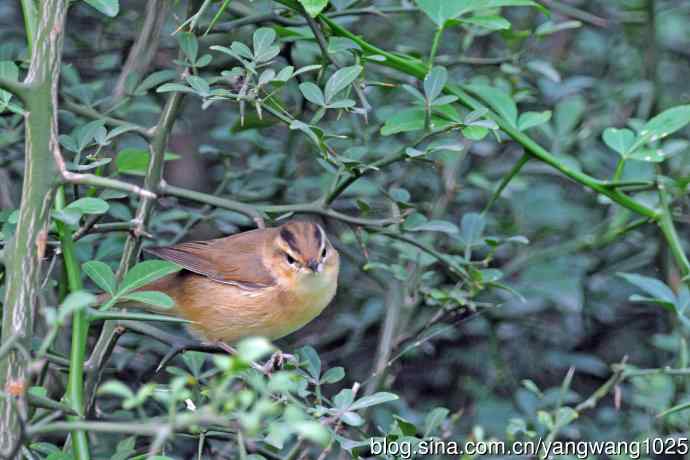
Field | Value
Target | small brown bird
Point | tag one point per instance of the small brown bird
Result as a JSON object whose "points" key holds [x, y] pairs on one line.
{"points": [[266, 282]]}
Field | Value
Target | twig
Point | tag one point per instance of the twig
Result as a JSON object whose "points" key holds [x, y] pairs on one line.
{"points": [[454, 268], [576, 13], [150, 427], [394, 301], [323, 45], [668, 228], [17, 88], [98, 181], [417, 69], [110, 331], [373, 11], [472, 60], [258, 213], [242, 208], [106, 228], [88, 112], [145, 46], [255, 19], [602, 391], [47, 403], [514, 171], [340, 186]]}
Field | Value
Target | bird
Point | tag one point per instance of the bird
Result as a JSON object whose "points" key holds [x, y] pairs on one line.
{"points": [[266, 282]]}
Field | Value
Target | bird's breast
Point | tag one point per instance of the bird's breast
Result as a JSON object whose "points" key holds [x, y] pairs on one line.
{"points": [[306, 299], [229, 313]]}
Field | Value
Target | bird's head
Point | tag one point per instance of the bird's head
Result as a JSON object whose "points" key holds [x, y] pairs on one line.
{"points": [[302, 249]]}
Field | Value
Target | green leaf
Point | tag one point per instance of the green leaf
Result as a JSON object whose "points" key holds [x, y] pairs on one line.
{"points": [[10, 71], [67, 216], [174, 88], [436, 226], [254, 348], [399, 195], [313, 363], [620, 140], [313, 431], [155, 79], [343, 399], [434, 82], [549, 27], [413, 119], [199, 85], [529, 120], [475, 133], [498, 100], [342, 104], [434, 419], [404, 121], [373, 400], [74, 302], [155, 298], [146, 272], [340, 80], [89, 205], [662, 303], [333, 375], [84, 134], [352, 419], [666, 123], [108, 7], [472, 228], [651, 286], [312, 93], [444, 100], [488, 22], [189, 46], [314, 7], [101, 274], [135, 161], [117, 388], [340, 44], [285, 74], [648, 154], [441, 11], [262, 40]]}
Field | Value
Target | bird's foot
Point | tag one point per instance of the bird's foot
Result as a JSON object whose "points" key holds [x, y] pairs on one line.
{"points": [[227, 348], [277, 361], [181, 346]]}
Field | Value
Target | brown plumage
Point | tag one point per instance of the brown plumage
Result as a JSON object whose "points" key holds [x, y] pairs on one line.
{"points": [[267, 282]]}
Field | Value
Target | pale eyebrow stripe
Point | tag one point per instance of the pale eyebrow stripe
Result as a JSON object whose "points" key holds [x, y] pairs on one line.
{"points": [[323, 238]]}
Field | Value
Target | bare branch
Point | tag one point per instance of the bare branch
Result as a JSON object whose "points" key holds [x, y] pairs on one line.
{"points": [[145, 47]]}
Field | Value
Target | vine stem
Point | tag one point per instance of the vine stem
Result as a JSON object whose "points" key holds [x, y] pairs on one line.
{"points": [[80, 332], [27, 248], [434, 46], [418, 70], [668, 228], [109, 332]]}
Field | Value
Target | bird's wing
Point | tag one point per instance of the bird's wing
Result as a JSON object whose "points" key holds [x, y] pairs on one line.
{"points": [[236, 259]]}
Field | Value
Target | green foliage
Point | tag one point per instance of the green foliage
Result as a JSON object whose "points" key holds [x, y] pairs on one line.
{"points": [[505, 276]]}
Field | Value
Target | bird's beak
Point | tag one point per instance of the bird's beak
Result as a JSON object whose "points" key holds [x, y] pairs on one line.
{"points": [[313, 265]]}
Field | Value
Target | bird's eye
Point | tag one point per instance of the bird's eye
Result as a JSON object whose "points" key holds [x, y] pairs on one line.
{"points": [[291, 260], [323, 253]]}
